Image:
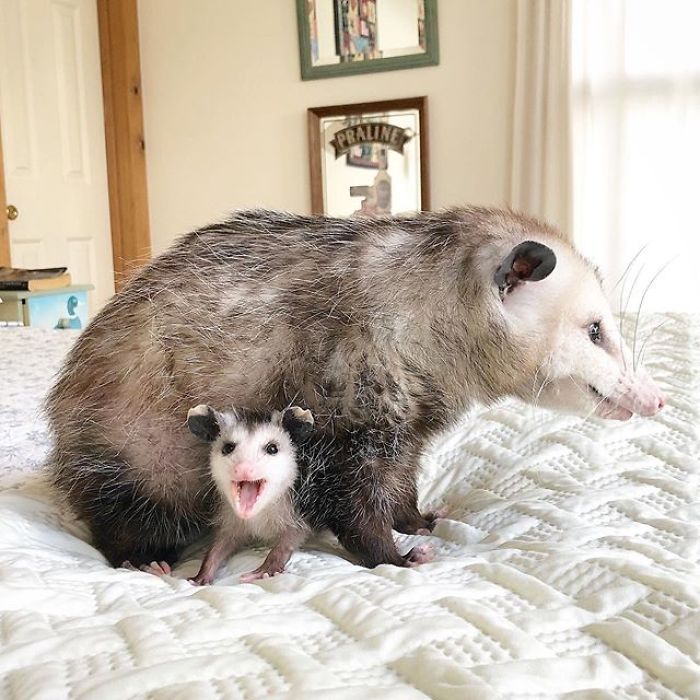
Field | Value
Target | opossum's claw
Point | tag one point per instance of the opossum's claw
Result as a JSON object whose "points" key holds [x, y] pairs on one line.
{"points": [[432, 519], [419, 555], [262, 572], [436, 515], [157, 568]]}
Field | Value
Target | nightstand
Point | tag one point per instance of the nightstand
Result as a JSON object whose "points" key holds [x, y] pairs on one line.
{"points": [[64, 307]]}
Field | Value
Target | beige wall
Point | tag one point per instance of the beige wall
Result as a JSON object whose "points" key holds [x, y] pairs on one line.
{"points": [[225, 109]]}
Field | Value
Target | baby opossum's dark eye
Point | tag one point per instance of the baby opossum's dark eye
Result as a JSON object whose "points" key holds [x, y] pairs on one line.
{"points": [[227, 448], [594, 332], [271, 448]]}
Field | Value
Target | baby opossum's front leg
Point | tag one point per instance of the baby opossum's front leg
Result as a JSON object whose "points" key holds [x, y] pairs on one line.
{"points": [[279, 555], [225, 545]]}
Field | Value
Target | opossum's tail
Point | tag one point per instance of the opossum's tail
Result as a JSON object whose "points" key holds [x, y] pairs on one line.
{"points": [[126, 523]]}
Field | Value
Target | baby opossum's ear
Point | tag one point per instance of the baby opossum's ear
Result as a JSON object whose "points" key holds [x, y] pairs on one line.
{"points": [[202, 422], [298, 423], [527, 262]]}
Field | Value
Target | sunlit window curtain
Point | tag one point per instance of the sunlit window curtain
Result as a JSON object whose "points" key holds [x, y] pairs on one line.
{"points": [[541, 170], [635, 81]]}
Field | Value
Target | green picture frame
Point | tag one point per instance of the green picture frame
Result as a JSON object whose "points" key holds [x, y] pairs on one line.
{"points": [[430, 57]]}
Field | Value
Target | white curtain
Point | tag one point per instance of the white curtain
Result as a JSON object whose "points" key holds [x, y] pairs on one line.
{"points": [[541, 170], [635, 74], [606, 139]]}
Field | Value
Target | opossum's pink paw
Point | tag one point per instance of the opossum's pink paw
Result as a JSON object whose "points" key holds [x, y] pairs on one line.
{"points": [[201, 580], [262, 572], [419, 555], [157, 568], [126, 564]]}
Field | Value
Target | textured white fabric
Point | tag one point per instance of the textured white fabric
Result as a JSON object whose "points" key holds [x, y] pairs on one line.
{"points": [[568, 567]]}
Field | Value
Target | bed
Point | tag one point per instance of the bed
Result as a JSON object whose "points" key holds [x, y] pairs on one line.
{"points": [[568, 566]]}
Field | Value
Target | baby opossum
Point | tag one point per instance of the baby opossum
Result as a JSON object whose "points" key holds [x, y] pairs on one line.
{"points": [[267, 494], [253, 463], [386, 329]]}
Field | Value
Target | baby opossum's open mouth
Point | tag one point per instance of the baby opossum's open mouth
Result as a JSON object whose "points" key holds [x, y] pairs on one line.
{"points": [[246, 495], [606, 408]]}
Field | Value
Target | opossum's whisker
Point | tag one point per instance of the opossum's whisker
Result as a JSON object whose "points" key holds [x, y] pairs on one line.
{"points": [[648, 338], [620, 315], [629, 266], [639, 309], [596, 406], [623, 310], [545, 381]]}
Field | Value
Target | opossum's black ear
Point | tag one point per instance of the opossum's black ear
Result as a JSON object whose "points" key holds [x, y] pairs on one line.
{"points": [[527, 262], [298, 423], [202, 422]]}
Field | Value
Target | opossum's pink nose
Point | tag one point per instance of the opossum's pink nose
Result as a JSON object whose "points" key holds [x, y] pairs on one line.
{"points": [[244, 471], [639, 394], [650, 405]]}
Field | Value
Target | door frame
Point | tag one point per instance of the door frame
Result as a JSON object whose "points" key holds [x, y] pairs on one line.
{"points": [[118, 31], [4, 227]]}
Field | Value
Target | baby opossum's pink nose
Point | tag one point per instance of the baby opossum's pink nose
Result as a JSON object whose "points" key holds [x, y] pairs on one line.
{"points": [[244, 471]]}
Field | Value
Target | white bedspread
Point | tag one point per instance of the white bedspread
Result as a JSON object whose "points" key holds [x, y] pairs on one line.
{"points": [[568, 567]]}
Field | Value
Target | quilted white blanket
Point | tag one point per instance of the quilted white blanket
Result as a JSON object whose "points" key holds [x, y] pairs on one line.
{"points": [[568, 567]]}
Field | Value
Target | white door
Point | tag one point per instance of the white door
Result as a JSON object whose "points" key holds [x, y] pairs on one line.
{"points": [[53, 139]]}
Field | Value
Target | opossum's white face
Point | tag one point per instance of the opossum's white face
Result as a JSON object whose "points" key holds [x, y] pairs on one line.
{"points": [[253, 466], [584, 366], [253, 462]]}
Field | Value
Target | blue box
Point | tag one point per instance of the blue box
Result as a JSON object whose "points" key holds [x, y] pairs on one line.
{"points": [[65, 307]]}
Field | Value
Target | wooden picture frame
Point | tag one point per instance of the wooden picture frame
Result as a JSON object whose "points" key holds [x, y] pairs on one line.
{"points": [[428, 33], [315, 115]]}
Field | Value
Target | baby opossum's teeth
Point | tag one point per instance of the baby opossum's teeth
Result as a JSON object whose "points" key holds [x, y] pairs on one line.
{"points": [[246, 495]]}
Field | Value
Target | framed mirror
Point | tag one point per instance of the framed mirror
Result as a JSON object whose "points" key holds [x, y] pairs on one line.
{"points": [[345, 37], [369, 159]]}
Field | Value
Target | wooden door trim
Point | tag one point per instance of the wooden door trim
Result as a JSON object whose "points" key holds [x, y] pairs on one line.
{"points": [[126, 159], [4, 228], [126, 156]]}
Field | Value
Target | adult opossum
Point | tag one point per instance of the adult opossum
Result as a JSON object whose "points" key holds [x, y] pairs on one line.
{"points": [[386, 329]]}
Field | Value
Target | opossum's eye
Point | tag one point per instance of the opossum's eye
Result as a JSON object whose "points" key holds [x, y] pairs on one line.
{"points": [[594, 332], [227, 448], [271, 448]]}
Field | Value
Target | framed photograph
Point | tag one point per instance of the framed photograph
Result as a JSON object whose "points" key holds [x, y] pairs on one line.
{"points": [[368, 155], [369, 159], [346, 37]]}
